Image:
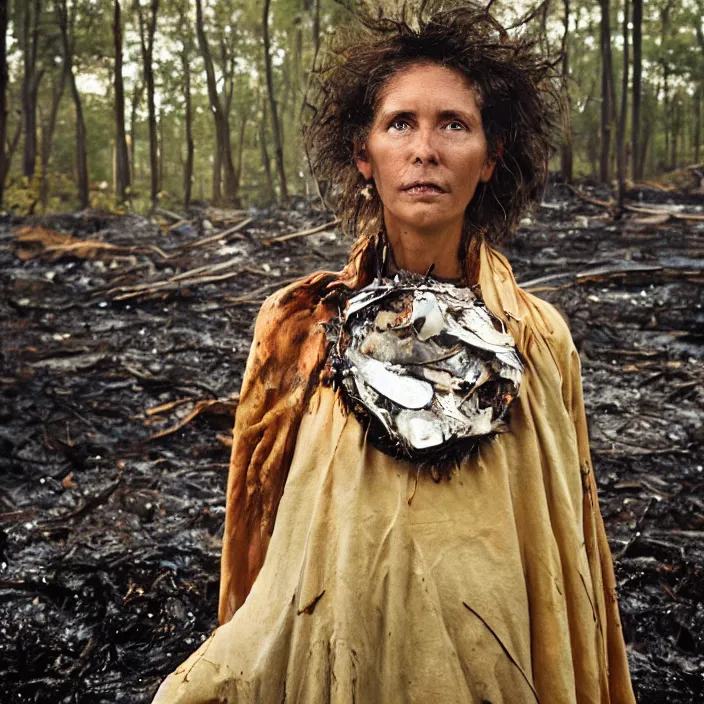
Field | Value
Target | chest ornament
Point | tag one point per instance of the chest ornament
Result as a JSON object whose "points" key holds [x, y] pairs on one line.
{"points": [[425, 366]]}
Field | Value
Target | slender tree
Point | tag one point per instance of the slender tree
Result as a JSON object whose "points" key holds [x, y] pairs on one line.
{"points": [[621, 129], [147, 32], [636, 161], [11, 147], [161, 152], [224, 163], [275, 127], [698, 20], [31, 80], [48, 129], [186, 56], [266, 162], [566, 155], [66, 18], [122, 155], [666, 72], [136, 99], [240, 146], [3, 95], [698, 123], [676, 128], [606, 90]]}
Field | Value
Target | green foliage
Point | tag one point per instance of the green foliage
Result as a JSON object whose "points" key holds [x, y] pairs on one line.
{"points": [[673, 56], [22, 196]]}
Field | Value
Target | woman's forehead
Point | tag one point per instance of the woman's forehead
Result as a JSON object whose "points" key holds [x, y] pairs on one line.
{"points": [[427, 85]]}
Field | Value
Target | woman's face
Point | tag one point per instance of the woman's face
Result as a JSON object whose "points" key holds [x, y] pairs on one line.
{"points": [[426, 150]]}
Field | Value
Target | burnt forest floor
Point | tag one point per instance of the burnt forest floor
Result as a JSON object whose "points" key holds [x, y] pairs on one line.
{"points": [[123, 347]]}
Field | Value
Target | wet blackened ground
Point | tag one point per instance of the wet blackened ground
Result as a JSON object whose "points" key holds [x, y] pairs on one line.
{"points": [[110, 537]]}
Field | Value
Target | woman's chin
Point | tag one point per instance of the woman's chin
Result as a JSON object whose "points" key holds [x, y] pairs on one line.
{"points": [[428, 217]]}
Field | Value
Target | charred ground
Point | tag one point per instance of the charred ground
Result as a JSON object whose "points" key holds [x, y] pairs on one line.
{"points": [[123, 348]]}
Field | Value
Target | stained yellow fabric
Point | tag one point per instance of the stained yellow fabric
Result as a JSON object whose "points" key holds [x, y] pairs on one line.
{"points": [[381, 585]]}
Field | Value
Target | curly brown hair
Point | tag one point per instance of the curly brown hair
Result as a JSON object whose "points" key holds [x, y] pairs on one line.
{"points": [[515, 87]]}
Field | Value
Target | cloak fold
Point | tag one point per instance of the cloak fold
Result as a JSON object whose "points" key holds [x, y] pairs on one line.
{"points": [[384, 586]]}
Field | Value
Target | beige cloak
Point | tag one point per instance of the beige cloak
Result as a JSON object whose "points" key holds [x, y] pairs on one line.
{"points": [[349, 576]]}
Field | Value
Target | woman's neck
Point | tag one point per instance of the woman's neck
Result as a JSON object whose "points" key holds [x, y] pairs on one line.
{"points": [[418, 251]]}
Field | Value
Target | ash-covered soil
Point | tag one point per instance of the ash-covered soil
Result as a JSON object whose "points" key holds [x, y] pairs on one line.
{"points": [[122, 353]]}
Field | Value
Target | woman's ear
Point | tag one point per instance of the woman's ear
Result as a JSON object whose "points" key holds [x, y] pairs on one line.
{"points": [[488, 170], [361, 160], [490, 165]]}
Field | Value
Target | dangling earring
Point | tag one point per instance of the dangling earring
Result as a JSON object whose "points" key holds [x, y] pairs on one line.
{"points": [[367, 191]]}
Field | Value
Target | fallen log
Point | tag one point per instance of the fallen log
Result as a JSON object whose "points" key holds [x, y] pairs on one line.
{"points": [[303, 233], [222, 235], [660, 212]]}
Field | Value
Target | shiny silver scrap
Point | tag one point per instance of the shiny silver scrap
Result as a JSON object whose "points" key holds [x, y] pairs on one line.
{"points": [[427, 361]]}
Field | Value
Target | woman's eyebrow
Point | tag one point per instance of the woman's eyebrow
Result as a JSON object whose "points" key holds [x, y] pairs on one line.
{"points": [[396, 113], [447, 114], [467, 115]]}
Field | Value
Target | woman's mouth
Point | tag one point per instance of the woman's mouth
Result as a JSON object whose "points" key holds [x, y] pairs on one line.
{"points": [[423, 188]]}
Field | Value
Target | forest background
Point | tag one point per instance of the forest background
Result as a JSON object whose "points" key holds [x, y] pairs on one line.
{"points": [[130, 104]]}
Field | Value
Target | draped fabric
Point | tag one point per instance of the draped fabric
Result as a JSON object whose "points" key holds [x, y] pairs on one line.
{"points": [[349, 576]]}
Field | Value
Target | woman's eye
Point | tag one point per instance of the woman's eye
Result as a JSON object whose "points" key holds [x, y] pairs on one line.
{"points": [[399, 124]]}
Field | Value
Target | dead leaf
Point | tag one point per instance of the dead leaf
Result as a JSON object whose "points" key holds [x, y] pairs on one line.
{"points": [[67, 482], [217, 406]]}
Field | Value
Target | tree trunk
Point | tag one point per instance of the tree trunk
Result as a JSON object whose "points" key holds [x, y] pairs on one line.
{"points": [[190, 144], [12, 148], [699, 93], [566, 156], [646, 150], [240, 146], [3, 96], [664, 32], [666, 109], [275, 128], [543, 36], [697, 123], [636, 165], [675, 113], [48, 129], [136, 100], [147, 30], [217, 171], [162, 149], [81, 155], [30, 84], [593, 137], [122, 155], [606, 87], [223, 159], [81, 146], [265, 157], [621, 130]]}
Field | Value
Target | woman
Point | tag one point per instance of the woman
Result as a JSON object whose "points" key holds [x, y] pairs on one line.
{"points": [[395, 532]]}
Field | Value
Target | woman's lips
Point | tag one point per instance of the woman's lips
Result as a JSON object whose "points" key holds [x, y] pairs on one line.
{"points": [[423, 189]]}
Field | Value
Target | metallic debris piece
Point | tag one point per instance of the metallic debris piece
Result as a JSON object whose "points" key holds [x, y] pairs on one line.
{"points": [[426, 365]]}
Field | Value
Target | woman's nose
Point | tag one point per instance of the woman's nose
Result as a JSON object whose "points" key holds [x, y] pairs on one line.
{"points": [[424, 147]]}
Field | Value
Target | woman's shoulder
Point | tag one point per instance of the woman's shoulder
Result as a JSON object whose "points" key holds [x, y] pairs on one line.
{"points": [[506, 298], [553, 325], [293, 310]]}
